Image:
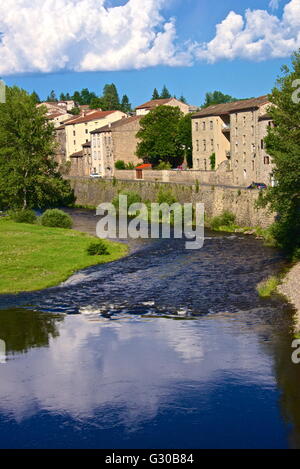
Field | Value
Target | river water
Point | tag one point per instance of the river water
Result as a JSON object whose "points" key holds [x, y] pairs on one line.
{"points": [[166, 348]]}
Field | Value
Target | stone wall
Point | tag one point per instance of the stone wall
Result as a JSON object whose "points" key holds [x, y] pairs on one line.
{"points": [[91, 192], [222, 176]]}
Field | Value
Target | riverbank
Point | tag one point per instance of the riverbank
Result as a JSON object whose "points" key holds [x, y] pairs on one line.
{"points": [[290, 287], [34, 257]]}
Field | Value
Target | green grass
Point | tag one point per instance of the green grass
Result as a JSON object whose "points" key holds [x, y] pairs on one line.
{"points": [[268, 287], [35, 257]]}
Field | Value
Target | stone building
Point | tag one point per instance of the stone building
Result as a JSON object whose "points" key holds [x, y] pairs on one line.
{"points": [[60, 137], [81, 162], [116, 141], [234, 132], [154, 103], [78, 129]]}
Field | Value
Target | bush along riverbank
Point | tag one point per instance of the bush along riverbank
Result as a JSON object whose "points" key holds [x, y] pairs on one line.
{"points": [[34, 257]]}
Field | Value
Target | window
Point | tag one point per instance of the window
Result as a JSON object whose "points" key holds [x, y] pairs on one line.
{"points": [[266, 160], [262, 144], [196, 126], [86, 131], [74, 133], [253, 165], [211, 125], [197, 144], [205, 165], [244, 139], [203, 125], [74, 142], [244, 156], [244, 121], [212, 143], [204, 145], [252, 130]]}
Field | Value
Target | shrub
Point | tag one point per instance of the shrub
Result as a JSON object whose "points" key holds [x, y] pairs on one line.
{"points": [[166, 197], [97, 249], [226, 219], [163, 165], [268, 287], [132, 198], [212, 159], [120, 165], [56, 219], [23, 216]]}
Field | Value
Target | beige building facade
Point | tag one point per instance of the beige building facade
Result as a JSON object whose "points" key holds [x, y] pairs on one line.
{"points": [[234, 132], [78, 130], [150, 105], [112, 143]]}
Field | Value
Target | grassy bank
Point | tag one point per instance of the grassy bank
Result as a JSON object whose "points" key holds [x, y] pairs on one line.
{"points": [[34, 257]]}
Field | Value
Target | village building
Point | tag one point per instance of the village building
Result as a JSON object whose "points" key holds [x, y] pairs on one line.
{"points": [[114, 142], [154, 103], [78, 129], [234, 132], [81, 162]]}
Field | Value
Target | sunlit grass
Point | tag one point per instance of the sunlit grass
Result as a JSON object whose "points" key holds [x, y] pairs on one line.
{"points": [[34, 257]]}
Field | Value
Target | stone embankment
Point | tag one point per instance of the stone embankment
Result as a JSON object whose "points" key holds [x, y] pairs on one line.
{"points": [[290, 287]]}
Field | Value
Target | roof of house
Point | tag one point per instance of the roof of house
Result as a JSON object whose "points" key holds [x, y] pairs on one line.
{"points": [[78, 154], [154, 103], [265, 117], [89, 117], [61, 127], [227, 108], [144, 166], [87, 144], [113, 125]]}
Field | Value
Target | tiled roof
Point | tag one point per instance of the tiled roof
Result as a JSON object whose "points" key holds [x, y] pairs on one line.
{"points": [[227, 108], [119, 123], [89, 117], [144, 166], [87, 144], [154, 103], [78, 154]]}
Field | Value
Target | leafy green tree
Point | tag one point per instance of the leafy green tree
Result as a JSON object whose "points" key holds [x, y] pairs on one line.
{"points": [[28, 172], [183, 99], [125, 104], [52, 97], [75, 111], [96, 103], [36, 97], [77, 97], [165, 94], [283, 145], [155, 94], [111, 101], [217, 97], [185, 138], [159, 136], [62, 97]]}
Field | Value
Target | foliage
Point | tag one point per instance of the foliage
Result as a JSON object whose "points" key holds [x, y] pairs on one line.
{"points": [[185, 138], [283, 145], [125, 104], [75, 111], [269, 286], [158, 136], [52, 97], [110, 98], [97, 248], [225, 220], [155, 94], [35, 97], [121, 165], [217, 97], [163, 166], [165, 94], [212, 159], [23, 216], [28, 172], [132, 198], [36, 257], [166, 197], [56, 219]]}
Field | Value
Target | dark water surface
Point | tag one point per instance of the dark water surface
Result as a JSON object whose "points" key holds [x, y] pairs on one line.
{"points": [[167, 348]]}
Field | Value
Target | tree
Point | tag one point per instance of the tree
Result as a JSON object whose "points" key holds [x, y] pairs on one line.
{"points": [[96, 103], [111, 101], [77, 97], [36, 97], [28, 172], [165, 94], [283, 145], [155, 94], [62, 97], [125, 104], [217, 97], [182, 99], [159, 136], [52, 97]]}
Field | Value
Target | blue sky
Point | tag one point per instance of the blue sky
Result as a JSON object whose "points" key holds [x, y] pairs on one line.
{"points": [[146, 44]]}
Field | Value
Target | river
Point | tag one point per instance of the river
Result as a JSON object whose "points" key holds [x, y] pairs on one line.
{"points": [[166, 348]]}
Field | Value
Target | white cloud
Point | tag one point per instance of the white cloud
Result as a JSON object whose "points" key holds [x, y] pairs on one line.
{"points": [[257, 36], [90, 35], [274, 4], [52, 35]]}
